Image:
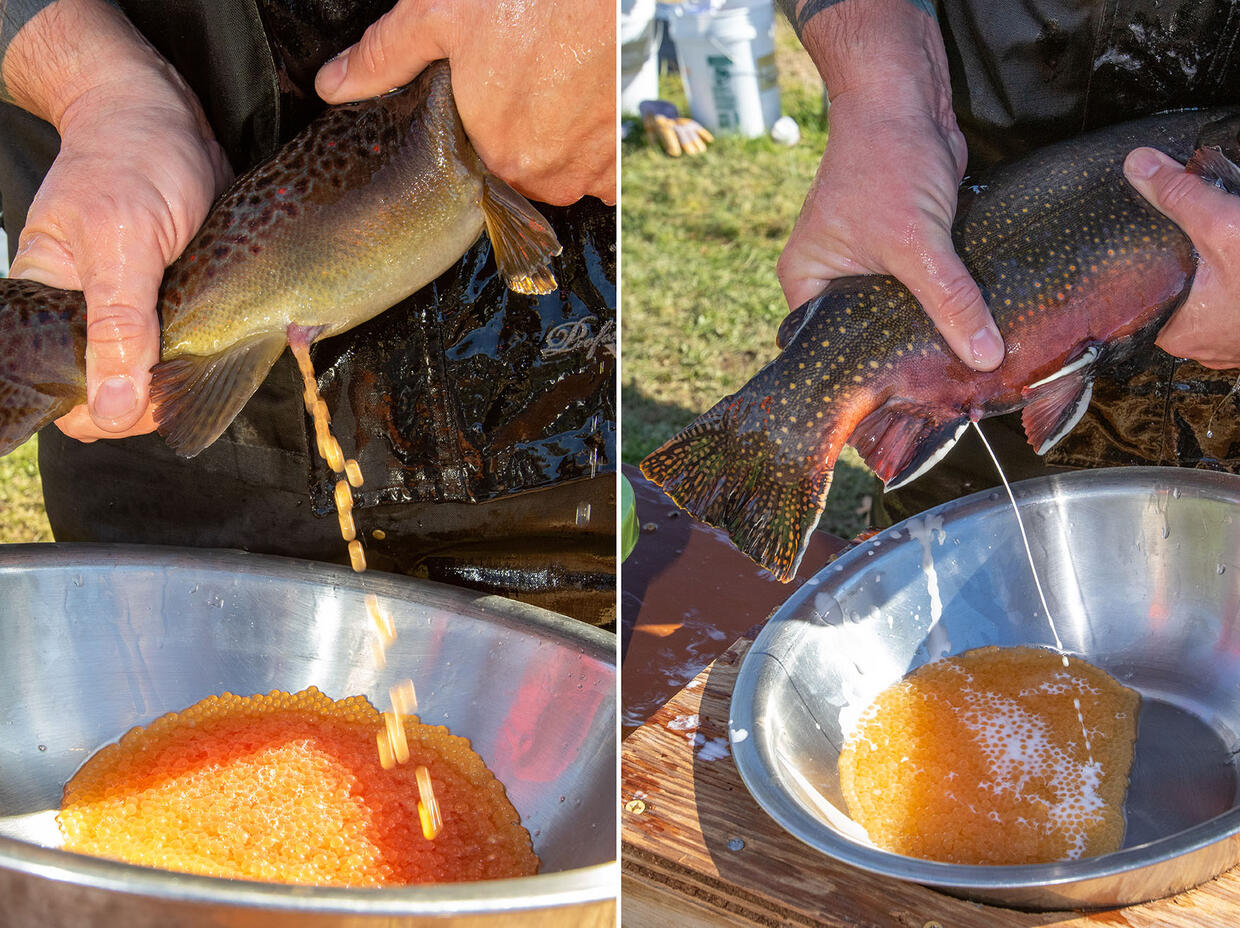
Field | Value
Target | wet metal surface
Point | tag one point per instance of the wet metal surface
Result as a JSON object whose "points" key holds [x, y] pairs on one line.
{"points": [[1138, 568]]}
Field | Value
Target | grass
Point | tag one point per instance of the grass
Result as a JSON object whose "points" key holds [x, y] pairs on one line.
{"points": [[700, 303], [21, 497], [21, 492]]}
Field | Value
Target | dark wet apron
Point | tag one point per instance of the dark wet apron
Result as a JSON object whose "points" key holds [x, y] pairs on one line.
{"points": [[483, 420], [1026, 73]]}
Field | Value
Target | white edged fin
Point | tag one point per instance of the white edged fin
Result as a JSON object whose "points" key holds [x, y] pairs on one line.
{"points": [[1075, 415], [937, 455], [1088, 357], [902, 439], [1054, 405]]}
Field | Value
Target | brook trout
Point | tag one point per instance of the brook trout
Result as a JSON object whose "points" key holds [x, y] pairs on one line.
{"points": [[369, 204], [1078, 270]]}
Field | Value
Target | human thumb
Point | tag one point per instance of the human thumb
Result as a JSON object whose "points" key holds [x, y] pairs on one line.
{"points": [[1170, 189], [953, 301], [394, 50], [122, 338]]}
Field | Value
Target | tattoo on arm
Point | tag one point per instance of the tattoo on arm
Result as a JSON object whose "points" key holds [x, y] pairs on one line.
{"points": [[811, 8], [13, 15]]}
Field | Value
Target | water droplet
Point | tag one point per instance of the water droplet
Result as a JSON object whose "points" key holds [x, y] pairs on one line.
{"points": [[1166, 530], [1209, 433], [583, 515], [736, 844], [42, 747], [1221, 570], [1175, 492]]}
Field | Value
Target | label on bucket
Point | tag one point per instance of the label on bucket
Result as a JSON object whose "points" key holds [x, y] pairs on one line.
{"points": [[768, 77], [726, 109]]}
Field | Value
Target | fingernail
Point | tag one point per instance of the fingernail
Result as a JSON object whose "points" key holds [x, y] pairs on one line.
{"points": [[987, 347], [332, 74], [115, 398], [1142, 164]]}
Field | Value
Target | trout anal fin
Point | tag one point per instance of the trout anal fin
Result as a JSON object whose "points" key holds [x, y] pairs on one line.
{"points": [[523, 241], [197, 397], [1056, 404], [900, 440]]}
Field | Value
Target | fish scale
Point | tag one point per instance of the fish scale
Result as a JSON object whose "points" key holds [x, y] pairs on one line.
{"points": [[1078, 271]]}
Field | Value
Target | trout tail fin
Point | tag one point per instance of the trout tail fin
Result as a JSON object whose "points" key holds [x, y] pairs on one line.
{"points": [[767, 501], [42, 357]]}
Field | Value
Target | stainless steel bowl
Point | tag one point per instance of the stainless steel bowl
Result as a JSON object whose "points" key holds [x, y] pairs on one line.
{"points": [[1141, 568], [97, 639]]}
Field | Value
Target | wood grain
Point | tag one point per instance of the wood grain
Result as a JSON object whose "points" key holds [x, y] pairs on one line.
{"points": [[698, 851]]}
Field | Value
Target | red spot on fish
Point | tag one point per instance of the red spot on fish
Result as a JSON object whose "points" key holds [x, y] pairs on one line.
{"points": [[282, 191], [375, 149]]}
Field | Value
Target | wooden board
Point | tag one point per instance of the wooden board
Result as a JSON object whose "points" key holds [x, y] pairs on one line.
{"points": [[698, 850]]}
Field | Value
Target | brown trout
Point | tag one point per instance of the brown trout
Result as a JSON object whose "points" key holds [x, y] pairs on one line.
{"points": [[1078, 270], [369, 204]]}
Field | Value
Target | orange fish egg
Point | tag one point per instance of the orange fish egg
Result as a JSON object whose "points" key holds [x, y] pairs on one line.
{"points": [[288, 788]]}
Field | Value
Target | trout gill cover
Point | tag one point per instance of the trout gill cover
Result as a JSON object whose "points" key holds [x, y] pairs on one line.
{"points": [[371, 202], [1078, 270]]}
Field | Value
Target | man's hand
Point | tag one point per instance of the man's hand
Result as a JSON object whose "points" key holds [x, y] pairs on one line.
{"points": [[1207, 327], [884, 197], [136, 173], [534, 83]]}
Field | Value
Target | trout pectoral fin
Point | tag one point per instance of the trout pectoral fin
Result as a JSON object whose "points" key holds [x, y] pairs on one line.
{"points": [[523, 241], [1055, 405], [197, 397], [1210, 164], [900, 441]]}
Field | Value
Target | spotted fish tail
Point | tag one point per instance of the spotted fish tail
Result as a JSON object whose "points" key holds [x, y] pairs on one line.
{"points": [[738, 479], [42, 357]]}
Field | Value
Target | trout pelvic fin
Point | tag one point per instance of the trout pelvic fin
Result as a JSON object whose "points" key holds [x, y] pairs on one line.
{"points": [[523, 241], [197, 397], [900, 441], [768, 506], [1057, 403]]}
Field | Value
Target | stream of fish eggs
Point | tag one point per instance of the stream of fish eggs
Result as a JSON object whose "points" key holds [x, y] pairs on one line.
{"points": [[392, 744]]}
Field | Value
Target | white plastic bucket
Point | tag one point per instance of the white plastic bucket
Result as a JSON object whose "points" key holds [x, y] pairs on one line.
{"points": [[639, 54], [727, 61]]}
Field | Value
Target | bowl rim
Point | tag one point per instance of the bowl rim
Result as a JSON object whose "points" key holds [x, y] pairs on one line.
{"points": [[758, 775], [578, 886]]}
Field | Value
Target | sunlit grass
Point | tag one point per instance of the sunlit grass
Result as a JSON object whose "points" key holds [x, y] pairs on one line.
{"points": [[700, 303]]}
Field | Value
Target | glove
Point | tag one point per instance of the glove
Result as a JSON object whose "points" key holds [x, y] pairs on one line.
{"points": [[677, 134]]}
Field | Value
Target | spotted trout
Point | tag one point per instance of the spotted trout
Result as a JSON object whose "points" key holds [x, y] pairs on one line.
{"points": [[370, 203], [1078, 270]]}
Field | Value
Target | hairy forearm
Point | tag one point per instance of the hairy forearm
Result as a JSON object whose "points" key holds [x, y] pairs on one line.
{"points": [[888, 50], [14, 14], [801, 12], [55, 51]]}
